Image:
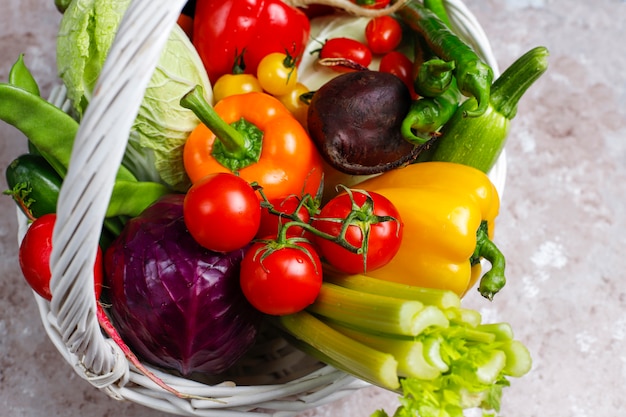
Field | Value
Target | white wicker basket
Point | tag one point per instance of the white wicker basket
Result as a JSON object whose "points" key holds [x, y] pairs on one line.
{"points": [[70, 319]]}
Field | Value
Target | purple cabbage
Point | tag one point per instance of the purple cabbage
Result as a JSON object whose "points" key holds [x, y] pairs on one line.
{"points": [[177, 305]]}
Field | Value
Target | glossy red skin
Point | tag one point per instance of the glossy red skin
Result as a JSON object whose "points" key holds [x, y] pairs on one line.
{"points": [[401, 66], [270, 223], [383, 34], [34, 257], [223, 29], [384, 240], [346, 48], [222, 212], [285, 282]]}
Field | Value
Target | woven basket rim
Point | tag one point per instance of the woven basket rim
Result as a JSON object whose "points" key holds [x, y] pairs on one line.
{"points": [[117, 377]]}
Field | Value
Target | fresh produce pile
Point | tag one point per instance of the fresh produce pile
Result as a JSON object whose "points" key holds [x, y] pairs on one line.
{"points": [[294, 166]]}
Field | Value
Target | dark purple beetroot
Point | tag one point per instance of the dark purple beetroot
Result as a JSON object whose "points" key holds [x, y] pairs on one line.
{"points": [[355, 118]]}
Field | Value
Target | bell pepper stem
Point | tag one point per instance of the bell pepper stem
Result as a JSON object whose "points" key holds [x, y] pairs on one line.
{"points": [[493, 280], [236, 145], [232, 140]]}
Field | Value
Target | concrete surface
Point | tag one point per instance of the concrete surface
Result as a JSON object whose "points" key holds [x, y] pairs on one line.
{"points": [[562, 223]]}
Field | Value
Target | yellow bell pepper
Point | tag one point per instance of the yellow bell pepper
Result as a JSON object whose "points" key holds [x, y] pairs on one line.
{"points": [[449, 212]]}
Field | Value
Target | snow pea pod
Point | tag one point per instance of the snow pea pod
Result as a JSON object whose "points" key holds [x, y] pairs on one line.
{"points": [[20, 76], [49, 128], [52, 131]]}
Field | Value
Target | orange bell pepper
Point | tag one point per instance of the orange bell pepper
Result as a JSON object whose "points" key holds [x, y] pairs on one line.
{"points": [[256, 137]]}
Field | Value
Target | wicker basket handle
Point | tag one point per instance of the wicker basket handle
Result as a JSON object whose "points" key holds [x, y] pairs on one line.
{"points": [[98, 150]]}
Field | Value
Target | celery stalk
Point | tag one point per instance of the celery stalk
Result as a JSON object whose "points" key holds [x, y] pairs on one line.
{"points": [[428, 296], [432, 354], [502, 331], [464, 316], [408, 353], [429, 316], [370, 311], [334, 348], [518, 360], [488, 372]]}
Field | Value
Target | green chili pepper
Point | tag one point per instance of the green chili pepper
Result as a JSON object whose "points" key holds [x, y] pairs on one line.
{"points": [[431, 75], [427, 115], [473, 76], [479, 141], [434, 77], [439, 9], [21, 77]]}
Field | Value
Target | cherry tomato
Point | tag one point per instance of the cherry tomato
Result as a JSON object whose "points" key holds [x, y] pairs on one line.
{"points": [[400, 65], [372, 4], [222, 212], [383, 34], [277, 73], [271, 223], [279, 280], [384, 236], [231, 84], [295, 104], [348, 49], [34, 257]]}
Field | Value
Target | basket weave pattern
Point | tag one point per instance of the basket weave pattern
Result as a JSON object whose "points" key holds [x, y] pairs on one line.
{"points": [[70, 320]]}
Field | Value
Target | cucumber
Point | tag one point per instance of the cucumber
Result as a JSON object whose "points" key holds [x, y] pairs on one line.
{"points": [[33, 184]]}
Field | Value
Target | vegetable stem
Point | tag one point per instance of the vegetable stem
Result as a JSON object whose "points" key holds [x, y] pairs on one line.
{"points": [[443, 299], [509, 87], [237, 145], [336, 349], [409, 353], [494, 279], [368, 311]]}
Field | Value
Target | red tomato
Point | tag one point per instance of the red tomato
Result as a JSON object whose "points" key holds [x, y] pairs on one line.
{"points": [[281, 280], [226, 28], [34, 257], [222, 212], [384, 237], [348, 49], [372, 4], [400, 65], [383, 34], [271, 223]]}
